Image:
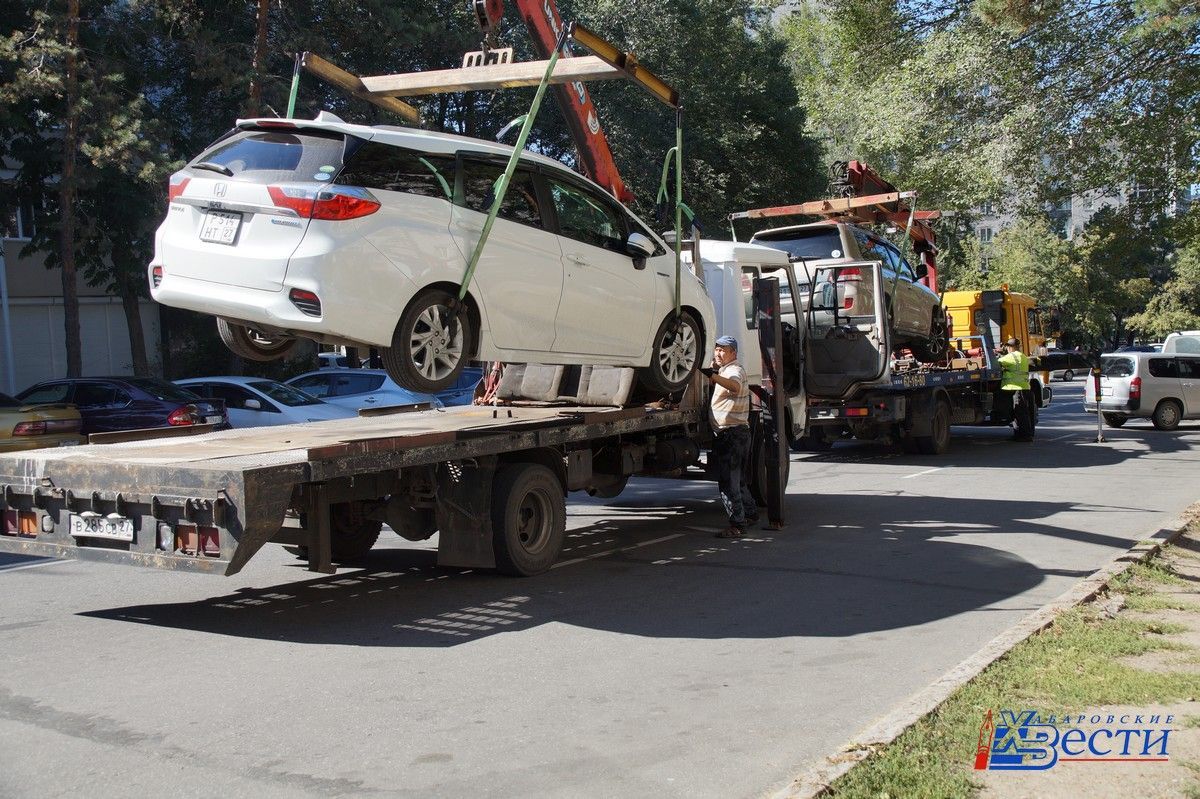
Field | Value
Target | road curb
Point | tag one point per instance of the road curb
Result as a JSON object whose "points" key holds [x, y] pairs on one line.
{"points": [[815, 781]]}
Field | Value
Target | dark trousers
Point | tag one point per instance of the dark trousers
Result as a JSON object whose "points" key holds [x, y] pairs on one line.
{"points": [[731, 454], [1021, 410]]}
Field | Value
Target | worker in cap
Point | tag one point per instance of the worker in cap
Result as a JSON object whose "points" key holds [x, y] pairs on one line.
{"points": [[1015, 393], [730, 419]]}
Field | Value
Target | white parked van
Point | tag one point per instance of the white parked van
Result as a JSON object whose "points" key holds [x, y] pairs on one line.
{"points": [[1147, 385]]}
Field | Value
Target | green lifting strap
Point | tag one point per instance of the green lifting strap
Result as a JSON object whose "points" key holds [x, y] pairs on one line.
{"points": [[291, 109], [680, 206], [502, 182]]}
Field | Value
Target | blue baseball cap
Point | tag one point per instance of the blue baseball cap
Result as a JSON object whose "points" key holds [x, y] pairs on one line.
{"points": [[727, 341]]}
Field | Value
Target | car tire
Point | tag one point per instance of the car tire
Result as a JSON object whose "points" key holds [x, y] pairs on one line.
{"points": [[1115, 419], [529, 519], [678, 348], [935, 347], [426, 356], [1167, 414], [252, 344], [1068, 376]]}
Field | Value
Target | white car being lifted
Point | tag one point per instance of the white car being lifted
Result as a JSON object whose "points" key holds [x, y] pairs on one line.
{"points": [[358, 235]]}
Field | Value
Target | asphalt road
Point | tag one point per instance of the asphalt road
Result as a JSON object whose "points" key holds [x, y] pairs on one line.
{"points": [[653, 661]]}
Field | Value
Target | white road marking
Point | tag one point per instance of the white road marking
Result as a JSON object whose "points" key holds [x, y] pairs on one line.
{"points": [[1065, 435], [595, 555], [918, 474], [30, 566]]}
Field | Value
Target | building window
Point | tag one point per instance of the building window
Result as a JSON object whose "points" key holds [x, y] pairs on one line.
{"points": [[16, 219], [987, 209], [986, 234]]}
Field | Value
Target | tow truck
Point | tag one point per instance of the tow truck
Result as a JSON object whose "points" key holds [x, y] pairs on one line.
{"points": [[874, 392], [489, 480]]}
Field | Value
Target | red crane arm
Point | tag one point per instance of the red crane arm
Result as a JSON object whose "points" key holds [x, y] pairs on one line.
{"points": [[545, 24]]}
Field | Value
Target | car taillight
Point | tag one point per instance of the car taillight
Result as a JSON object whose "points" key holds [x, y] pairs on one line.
{"points": [[47, 427], [850, 273], [275, 124], [156, 276], [306, 301], [847, 303], [327, 202], [1135, 388], [176, 187], [181, 416]]}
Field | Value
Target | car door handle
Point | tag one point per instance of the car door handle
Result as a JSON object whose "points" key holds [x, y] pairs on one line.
{"points": [[577, 257], [369, 399]]}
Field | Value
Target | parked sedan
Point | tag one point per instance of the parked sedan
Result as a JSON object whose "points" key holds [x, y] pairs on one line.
{"points": [[358, 388], [287, 229], [24, 426], [256, 402], [110, 404]]}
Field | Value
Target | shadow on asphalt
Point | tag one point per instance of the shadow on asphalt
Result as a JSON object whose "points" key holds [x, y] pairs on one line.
{"points": [[848, 564]]}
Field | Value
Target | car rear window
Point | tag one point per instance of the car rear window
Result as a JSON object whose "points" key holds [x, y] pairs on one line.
{"points": [[8, 402], [162, 390], [268, 156], [284, 395], [812, 243], [1116, 367]]}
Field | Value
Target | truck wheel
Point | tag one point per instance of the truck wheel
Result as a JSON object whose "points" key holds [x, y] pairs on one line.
{"points": [[1115, 419], [429, 349], [529, 519], [1167, 415], [253, 345], [938, 441], [351, 534], [757, 478], [678, 348]]}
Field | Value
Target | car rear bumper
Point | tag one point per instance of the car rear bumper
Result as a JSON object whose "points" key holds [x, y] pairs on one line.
{"points": [[23, 443], [1111, 406], [273, 309]]}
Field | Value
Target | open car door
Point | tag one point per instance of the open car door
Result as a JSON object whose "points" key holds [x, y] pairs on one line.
{"points": [[848, 342]]}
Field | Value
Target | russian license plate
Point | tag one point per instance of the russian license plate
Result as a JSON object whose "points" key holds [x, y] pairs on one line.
{"points": [[1105, 392], [213, 420], [220, 227], [115, 528]]}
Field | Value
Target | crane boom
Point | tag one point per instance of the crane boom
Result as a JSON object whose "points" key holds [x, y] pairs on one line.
{"points": [[545, 24]]}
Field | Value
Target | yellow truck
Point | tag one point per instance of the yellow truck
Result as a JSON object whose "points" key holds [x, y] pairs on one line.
{"points": [[1010, 314]]}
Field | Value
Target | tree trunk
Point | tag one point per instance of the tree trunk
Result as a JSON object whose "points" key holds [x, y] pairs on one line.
{"points": [[66, 198], [259, 64], [131, 302]]}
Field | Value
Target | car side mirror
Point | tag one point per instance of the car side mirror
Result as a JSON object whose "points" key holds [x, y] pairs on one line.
{"points": [[639, 246], [252, 405]]}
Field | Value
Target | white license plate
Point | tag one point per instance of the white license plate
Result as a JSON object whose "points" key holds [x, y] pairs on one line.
{"points": [[102, 527], [213, 420], [220, 227], [1105, 392]]}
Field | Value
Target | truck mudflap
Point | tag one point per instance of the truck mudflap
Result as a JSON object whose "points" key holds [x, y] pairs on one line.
{"points": [[186, 520]]}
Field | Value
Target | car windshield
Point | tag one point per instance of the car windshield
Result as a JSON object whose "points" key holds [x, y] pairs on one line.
{"points": [[810, 243], [8, 402], [161, 390], [268, 156], [1116, 367], [284, 395]]}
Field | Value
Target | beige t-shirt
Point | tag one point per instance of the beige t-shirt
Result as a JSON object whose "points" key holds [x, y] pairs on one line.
{"points": [[731, 408]]}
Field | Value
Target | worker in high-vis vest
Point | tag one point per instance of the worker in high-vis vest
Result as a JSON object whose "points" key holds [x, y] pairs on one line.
{"points": [[1015, 391]]}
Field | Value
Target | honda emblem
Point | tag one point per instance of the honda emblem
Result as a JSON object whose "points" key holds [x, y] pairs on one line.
{"points": [[219, 189]]}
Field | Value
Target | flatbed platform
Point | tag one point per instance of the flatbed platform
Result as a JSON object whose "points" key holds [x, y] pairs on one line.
{"points": [[230, 490]]}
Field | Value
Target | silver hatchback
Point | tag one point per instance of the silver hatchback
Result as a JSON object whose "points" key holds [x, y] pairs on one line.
{"points": [[1147, 385]]}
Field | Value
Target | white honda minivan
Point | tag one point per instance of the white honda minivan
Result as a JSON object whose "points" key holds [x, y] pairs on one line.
{"points": [[1148, 385], [360, 235]]}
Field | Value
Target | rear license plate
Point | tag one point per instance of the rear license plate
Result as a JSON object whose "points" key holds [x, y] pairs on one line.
{"points": [[1105, 392], [117, 529], [213, 420], [220, 227]]}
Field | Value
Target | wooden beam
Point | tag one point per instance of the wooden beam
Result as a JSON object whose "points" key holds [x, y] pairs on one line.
{"points": [[333, 74], [488, 77]]}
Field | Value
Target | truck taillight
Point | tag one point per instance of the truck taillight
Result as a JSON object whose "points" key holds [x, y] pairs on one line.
{"points": [[850, 273], [181, 416], [327, 202], [1135, 388], [176, 187]]}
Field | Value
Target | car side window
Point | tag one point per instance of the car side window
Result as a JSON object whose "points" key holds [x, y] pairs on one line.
{"points": [[56, 392], [1189, 368], [313, 385], [95, 395], [586, 217], [520, 201], [898, 262], [1163, 367], [382, 166], [235, 396], [356, 384]]}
